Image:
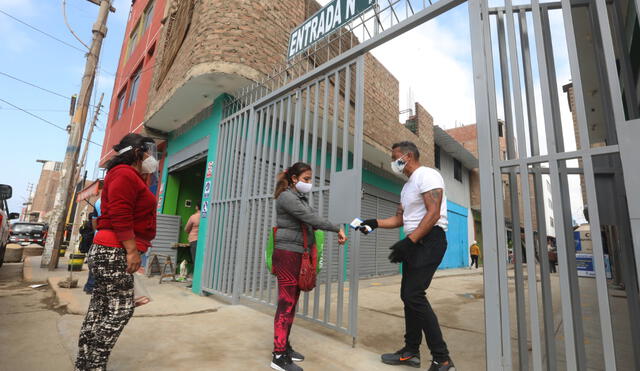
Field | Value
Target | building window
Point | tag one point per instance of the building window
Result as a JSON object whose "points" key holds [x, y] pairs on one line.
{"points": [[152, 50], [436, 156], [148, 16], [457, 170], [133, 40], [135, 83], [120, 107], [57, 166]]}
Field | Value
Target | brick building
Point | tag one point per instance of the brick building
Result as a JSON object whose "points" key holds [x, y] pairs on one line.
{"points": [[42, 202]]}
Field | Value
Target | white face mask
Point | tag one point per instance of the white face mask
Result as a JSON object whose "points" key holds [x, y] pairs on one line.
{"points": [[303, 187], [149, 165], [398, 165]]}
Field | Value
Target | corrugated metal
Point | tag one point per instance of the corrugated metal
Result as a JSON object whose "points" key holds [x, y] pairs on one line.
{"points": [[368, 243], [386, 238], [167, 234], [374, 248]]}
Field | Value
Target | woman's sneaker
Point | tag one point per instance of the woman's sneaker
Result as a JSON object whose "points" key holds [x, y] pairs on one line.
{"points": [[283, 362], [402, 357], [295, 356]]}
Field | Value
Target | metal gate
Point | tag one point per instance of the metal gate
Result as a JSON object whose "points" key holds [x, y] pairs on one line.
{"points": [[514, 56], [317, 119]]}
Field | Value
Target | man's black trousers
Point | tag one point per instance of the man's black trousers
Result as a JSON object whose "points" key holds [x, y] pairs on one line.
{"points": [[417, 272]]}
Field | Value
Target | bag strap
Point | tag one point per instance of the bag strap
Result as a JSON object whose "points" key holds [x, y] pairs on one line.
{"points": [[305, 243]]}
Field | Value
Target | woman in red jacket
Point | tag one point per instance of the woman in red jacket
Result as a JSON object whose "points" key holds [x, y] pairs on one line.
{"points": [[126, 226]]}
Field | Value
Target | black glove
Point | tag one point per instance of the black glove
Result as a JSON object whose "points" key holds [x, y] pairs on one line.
{"points": [[371, 223], [401, 250]]}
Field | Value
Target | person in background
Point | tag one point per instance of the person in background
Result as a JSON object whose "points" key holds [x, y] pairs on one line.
{"points": [[93, 216], [294, 216], [192, 228], [552, 252], [126, 227], [423, 213], [474, 251]]}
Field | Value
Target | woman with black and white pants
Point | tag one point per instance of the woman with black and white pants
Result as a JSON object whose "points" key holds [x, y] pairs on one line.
{"points": [[126, 226]]}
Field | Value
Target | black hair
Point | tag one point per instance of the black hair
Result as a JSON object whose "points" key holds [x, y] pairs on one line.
{"points": [[284, 180], [407, 147], [138, 144]]}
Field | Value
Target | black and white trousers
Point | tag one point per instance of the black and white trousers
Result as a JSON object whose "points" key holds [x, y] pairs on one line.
{"points": [[110, 308]]}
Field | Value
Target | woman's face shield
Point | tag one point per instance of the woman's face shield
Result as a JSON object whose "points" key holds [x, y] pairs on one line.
{"points": [[153, 180]]}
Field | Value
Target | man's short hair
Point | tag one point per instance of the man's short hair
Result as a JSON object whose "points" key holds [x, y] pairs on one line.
{"points": [[407, 147]]}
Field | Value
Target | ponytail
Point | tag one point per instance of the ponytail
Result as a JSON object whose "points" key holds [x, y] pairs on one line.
{"points": [[284, 180]]}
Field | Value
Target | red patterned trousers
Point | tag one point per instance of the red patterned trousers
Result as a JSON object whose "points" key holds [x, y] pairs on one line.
{"points": [[286, 266]]}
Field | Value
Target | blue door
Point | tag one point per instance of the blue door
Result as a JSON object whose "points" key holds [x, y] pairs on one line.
{"points": [[457, 240]]}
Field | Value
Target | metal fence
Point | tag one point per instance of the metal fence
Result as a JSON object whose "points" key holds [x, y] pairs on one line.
{"points": [[514, 59], [318, 121], [304, 111]]}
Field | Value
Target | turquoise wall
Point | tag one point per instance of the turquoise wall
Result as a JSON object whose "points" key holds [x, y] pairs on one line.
{"points": [[457, 237], [209, 126]]}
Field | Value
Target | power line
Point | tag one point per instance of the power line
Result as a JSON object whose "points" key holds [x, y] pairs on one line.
{"points": [[42, 119], [35, 86], [66, 21], [42, 32], [36, 109]]}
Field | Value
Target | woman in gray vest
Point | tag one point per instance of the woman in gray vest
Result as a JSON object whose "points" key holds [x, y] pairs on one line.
{"points": [[293, 215]]}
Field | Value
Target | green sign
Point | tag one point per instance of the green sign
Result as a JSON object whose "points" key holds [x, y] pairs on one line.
{"points": [[328, 19]]}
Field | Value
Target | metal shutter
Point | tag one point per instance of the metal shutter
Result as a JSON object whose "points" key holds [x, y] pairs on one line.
{"points": [[367, 256], [167, 234], [386, 238]]}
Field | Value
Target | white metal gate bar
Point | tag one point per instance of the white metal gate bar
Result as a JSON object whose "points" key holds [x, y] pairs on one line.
{"points": [[521, 164]]}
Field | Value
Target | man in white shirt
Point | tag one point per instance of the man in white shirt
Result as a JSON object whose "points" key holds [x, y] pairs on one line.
{"points": [[423, 213]]}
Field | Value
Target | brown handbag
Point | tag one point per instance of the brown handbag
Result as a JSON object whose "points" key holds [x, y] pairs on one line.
{"points": [[307, 279]]}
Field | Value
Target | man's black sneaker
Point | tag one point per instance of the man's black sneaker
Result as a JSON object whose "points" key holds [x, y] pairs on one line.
{"points": [[295, 356], [402, 357], [446, 366], [283, 362]]}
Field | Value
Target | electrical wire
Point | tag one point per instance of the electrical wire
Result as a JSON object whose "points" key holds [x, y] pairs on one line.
{"points": [[42, 32], [66, 22], [43, 119], [35, 86]]}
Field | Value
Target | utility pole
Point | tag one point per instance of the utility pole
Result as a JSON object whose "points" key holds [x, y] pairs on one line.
{"points": [[27, 205], [67, 184], [83, 159], [77, 220]]}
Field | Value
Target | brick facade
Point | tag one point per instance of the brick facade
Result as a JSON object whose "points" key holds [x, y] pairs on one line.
{"points": [[249, 39]]}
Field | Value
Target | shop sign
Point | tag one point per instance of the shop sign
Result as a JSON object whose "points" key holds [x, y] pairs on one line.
{"points": [[209, 169], [205, 209], [332, 16], [207, 189]]}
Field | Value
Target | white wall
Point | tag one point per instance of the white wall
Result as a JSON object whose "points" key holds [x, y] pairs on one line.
{"points": [[455, 191]]}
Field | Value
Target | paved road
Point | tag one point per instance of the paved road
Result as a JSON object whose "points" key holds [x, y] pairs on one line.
{"points": [[29, 337]]}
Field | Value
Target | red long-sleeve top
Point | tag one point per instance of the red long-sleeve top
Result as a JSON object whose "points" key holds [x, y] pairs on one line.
{"points": [[128, 210]]}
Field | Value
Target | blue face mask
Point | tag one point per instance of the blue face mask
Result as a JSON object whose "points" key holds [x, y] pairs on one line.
{"points": [[398, 165]]}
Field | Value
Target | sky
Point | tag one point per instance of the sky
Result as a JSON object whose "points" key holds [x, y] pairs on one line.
{"points": [[40, 60], [432, 64]]}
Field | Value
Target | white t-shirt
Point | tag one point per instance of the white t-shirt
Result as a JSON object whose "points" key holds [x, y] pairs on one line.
{"points": [[423, 179]]}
